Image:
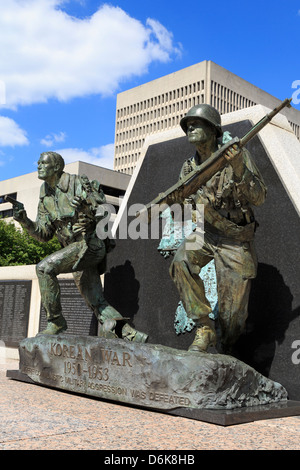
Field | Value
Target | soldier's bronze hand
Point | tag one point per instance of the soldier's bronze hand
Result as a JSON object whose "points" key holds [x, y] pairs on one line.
{"points": [[82, 223], [234, 156], [19, 214], [78, 203]]}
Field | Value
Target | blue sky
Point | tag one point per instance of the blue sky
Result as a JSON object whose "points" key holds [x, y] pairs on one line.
{"points": [[62, 64]]}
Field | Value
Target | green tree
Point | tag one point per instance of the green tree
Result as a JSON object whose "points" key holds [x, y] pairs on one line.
{"points": [[17, 247]]}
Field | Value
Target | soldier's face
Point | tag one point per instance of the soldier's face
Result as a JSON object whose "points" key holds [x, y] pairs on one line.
{"points": [[198, 131], [46, 168]]}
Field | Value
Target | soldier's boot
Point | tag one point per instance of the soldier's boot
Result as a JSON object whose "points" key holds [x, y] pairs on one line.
{"points": [[107, 329], [107, 317], [131, 334], [110, 319], [204, 338], [55, 326]]}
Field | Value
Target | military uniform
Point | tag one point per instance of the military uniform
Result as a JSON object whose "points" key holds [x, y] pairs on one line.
{"points": [[229, 226], [82, 253]]}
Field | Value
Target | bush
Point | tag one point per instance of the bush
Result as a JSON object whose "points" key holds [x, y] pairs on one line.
{"points": [[17, 247]]}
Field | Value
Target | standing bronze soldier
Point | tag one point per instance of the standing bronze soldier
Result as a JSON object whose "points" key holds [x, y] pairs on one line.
{"points": [[229, 233], [68, 208]]}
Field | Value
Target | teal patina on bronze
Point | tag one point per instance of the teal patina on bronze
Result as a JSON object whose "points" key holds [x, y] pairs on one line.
{"points": [[173, 235]]}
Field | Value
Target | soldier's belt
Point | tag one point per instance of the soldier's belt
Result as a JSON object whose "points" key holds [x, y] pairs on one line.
{"points": [[224, 227]]}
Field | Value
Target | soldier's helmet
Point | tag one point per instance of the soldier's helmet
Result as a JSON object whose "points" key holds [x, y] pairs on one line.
{"points": [[205, 112]]}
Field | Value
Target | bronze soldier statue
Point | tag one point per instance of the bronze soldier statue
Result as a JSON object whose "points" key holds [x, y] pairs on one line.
{"points": [[69, 208], [229, 226]]}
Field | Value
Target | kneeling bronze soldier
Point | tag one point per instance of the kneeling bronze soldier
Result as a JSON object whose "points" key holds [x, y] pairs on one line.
{"points": [[229, 226]]}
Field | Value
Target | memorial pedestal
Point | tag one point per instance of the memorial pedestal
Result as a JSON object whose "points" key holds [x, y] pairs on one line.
{"points": [[208, 387]]}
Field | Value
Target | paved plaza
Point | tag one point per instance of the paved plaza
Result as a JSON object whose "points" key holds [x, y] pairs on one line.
{"points": [[38, 418]]}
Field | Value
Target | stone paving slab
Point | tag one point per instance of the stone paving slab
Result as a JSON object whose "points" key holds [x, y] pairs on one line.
{"points": [[37, 418]]}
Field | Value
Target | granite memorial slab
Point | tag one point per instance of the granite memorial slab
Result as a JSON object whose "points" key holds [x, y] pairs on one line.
{"points": [[14, 311]]}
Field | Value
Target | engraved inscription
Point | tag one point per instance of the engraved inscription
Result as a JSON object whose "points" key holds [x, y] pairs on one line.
{"points": [[81, 370], [42, 374], [79, 353], [104, 372], [14, 311], [80, 318]]}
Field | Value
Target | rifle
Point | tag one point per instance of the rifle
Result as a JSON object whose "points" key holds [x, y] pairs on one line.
{"points": [[202, 173], [16, 204]]}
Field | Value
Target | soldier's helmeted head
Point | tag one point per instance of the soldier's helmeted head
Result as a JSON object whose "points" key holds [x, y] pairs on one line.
{"points": [[203, 113]]}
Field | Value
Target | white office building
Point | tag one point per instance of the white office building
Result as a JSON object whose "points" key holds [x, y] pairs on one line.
{"points": [[159, 105]]}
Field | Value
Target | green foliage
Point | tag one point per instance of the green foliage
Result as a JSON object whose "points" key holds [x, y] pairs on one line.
{"points": [[17, 247]]}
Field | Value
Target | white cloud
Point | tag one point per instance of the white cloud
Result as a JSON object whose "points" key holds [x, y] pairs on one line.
{"points": [[164, 38], [2, 92], [52, 139], [101, 156], [11, 134], [45, 53], [2, 162]]}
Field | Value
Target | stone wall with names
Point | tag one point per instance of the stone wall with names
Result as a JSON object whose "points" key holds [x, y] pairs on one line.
{"points": [[80, 318], [14, 311]]}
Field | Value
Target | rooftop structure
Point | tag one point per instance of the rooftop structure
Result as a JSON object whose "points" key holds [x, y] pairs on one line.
{"points": [[159, 105]]}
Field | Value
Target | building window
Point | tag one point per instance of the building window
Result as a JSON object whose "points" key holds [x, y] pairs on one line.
{"points": [[7, 212]]}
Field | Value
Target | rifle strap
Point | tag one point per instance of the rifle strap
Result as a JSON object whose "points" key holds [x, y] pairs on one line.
{"points": [[220, 188]]}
